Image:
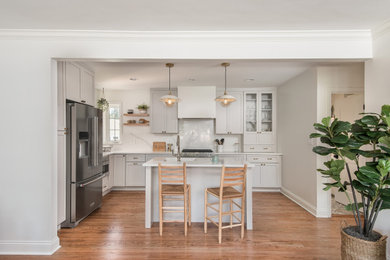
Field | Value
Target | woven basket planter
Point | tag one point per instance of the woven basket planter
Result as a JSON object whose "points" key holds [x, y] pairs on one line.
{"points": [[353, 248]]}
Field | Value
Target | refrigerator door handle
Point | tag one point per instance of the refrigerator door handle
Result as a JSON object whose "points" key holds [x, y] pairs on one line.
{"points": [[82, 185], [95, 141], [73, 143]]}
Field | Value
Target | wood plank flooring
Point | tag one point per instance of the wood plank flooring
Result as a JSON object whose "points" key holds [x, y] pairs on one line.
{"points": [[282, 230]]}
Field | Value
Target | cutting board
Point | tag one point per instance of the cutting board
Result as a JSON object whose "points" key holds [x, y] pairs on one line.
{"points": [[159, 146]]}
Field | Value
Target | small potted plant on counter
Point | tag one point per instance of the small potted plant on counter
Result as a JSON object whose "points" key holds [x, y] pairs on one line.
{"points": [[143, 108], [367, 137]]}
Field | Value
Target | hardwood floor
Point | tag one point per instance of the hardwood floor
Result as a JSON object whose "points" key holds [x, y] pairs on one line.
{"points": [[282, 230]]}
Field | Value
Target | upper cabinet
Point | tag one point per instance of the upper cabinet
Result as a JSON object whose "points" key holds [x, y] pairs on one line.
{"points": [[163, 118], [229, 119], [260, 121], [79, 83]]}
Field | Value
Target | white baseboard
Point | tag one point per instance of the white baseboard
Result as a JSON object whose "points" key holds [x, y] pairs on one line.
{"points": [[298, 200], [265, 189], [129, 188], [29, 247]]}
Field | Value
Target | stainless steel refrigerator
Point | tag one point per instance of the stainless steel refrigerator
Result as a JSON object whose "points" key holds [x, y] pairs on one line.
{"points": [[84, 150]]}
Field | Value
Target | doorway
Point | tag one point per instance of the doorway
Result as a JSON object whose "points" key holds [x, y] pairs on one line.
{"points": [[345, 107]]}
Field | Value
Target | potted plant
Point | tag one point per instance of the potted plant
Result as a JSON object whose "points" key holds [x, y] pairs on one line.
{"points": [[102, 104], [346, 143], [143, 108]]}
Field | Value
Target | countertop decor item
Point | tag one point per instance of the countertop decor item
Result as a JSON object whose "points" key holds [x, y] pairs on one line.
{"points": [[159, 146], [169, 99], [225, 99], [143, 108], [368, 137]]}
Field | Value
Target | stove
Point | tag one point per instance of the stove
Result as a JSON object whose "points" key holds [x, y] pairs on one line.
{"points": [[198, 153]]}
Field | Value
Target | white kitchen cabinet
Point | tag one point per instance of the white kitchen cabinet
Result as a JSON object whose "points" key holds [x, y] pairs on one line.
{"points": [[229, 119], [61, 177], [111, 173], [119, 166], [163, 118], [79, 83], [135, 174], [72, 81], [87, 90], [266, 173], [61, 98], [260, 121]]}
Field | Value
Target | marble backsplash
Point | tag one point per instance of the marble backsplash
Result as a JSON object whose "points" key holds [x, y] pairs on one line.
{"points": [[194, 133]]}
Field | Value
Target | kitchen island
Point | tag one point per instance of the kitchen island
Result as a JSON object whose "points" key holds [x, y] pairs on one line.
{"points": [[201, 173]]}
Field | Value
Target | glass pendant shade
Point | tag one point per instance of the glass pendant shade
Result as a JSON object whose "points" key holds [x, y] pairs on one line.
{"points": [[169, 100], [225, 99]]}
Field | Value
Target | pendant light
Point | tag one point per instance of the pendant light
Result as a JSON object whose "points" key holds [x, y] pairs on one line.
{"points": [[225, 99], [169, 99]]}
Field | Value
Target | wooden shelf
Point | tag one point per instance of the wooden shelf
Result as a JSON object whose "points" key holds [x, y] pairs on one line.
{"points": [[137, 115], [136, 124]]}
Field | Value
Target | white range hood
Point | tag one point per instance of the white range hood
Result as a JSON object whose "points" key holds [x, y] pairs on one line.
{"points": [[196, 101]]}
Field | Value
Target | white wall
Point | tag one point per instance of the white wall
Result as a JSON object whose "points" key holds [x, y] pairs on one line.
{"points": [[377, 93], [297, 111], [28, 146]]}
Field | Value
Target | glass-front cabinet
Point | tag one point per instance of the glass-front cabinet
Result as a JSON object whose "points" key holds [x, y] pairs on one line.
{"points": [[259, 135]]}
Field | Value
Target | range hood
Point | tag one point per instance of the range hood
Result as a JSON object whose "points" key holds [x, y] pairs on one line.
{"points": [[196, 101]]}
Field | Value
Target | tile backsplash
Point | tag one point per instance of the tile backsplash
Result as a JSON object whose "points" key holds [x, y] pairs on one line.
{"points": [[194, 133]]}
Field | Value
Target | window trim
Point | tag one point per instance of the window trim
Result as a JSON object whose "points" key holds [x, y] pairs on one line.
{"points": [[107, 124]]}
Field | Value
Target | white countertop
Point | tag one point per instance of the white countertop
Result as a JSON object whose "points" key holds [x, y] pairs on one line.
{"points": [[169, 153], [196, 162]]}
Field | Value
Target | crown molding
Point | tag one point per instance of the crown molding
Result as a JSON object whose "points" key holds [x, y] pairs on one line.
{"points": [[381, 30], [201, 35]]}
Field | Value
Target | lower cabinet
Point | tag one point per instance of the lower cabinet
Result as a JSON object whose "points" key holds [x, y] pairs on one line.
{"points": [[266, 176], [266, 173], [135, 174], [119, 170], [128, 171]]}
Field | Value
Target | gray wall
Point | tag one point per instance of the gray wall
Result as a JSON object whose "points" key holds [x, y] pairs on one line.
{"points": [[297, 111]]}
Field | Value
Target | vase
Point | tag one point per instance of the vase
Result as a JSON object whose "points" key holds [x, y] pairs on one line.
{"points": [[353, 248]]}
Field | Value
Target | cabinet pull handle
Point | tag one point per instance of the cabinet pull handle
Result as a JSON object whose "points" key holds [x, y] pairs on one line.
{"points": [[269, 159], [255, 159], [251, 148], [265, 148], [82, 101]]}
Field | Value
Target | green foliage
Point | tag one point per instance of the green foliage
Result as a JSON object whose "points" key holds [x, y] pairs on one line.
{"points": [[102, 104], [143, 107], [368, 137]]}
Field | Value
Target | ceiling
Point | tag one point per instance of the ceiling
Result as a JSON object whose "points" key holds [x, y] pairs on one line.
{"points": [[154, 74], [200, 15]]}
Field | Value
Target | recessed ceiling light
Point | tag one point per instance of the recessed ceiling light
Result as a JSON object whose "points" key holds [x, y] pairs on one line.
{"points": [[249, 80], [191, 79], [133, 79]]}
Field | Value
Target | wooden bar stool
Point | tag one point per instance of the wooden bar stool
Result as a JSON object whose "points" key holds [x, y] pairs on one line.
{"points": [[226, 193], [172, 182]]}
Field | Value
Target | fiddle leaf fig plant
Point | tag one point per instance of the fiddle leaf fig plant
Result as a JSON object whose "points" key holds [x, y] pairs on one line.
{"points": [[345, 143]]}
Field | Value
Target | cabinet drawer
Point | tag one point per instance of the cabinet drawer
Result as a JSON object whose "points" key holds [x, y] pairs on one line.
{"points": [[259, 148], [235, 158], [135, 158], [262, 159]]}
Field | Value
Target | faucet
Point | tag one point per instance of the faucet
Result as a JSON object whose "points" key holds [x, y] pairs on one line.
{"points": [[178, 155]]}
